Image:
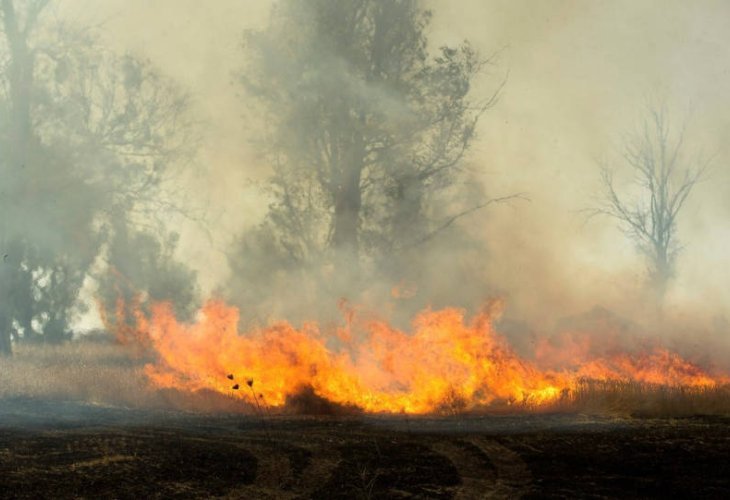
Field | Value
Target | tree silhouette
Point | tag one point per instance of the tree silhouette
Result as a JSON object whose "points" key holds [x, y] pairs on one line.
{"points": [[663, 179], [366, 128], [86, 137]]}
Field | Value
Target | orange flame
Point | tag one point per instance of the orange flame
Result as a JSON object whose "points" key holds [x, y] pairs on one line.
{"points": [[445, 362], [659, 367]]}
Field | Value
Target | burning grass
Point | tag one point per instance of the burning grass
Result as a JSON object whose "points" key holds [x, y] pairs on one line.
{"points": [[106, 373], [447, 364]]}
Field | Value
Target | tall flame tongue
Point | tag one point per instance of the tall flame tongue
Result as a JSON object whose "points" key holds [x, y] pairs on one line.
{"points": [[443, 362]]}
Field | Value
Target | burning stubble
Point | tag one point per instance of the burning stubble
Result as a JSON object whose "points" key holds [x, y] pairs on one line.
{"points": [[573, 92], [364, 248], [447, 363]]}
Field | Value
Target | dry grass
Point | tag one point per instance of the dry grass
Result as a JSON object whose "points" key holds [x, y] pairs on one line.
{"points": [[104, 373], [640, 399], [97, 372], [92, 371]]}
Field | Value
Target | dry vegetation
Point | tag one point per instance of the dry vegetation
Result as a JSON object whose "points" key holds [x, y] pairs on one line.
{"points": [[96, 371], [641, 399], [93, 371], [101, 372]]}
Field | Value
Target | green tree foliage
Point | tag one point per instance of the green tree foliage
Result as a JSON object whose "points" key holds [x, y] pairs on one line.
{"points": [[142, 268], [86, 140]]}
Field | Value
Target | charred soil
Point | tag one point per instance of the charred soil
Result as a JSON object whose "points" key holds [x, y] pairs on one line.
{"points": [[69, 450]]}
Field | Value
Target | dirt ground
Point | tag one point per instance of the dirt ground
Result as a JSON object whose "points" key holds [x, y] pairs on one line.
{"points": [[68, 450]]}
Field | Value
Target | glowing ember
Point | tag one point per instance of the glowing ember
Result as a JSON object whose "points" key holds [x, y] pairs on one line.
{"points": [[445, 362]]}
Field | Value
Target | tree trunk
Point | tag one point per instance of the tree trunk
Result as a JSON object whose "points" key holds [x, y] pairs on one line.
{"points": [[20, 77], [347, 204], [347, 218], [6, 346], [408, 209], [345, 242], [660, 277]]}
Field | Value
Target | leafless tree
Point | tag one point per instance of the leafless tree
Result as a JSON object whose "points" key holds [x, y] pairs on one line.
{"points": [[647, 210]]}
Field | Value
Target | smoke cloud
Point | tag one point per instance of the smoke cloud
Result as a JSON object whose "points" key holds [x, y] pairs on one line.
{"points": [[578, 79]]}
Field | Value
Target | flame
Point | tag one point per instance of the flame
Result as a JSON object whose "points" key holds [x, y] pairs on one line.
{"points": [[659, 367], [614, 359], [447, 361]]}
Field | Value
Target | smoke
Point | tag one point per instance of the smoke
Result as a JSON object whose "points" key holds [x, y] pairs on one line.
{"points": [[581, 76], [578, 77]]}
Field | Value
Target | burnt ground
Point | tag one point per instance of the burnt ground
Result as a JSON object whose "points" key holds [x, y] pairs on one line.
{"points": [[71, 450]]}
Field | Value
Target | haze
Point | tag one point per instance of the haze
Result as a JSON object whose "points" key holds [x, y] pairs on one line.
{"points": [[579, 78]]}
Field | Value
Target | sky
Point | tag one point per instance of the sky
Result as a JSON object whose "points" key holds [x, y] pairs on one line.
{"points": [[579, 76]]}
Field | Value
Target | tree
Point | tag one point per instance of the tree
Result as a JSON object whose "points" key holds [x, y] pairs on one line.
{"points": [[86, 138], [142, 266], [663, 180], [366, 129]]}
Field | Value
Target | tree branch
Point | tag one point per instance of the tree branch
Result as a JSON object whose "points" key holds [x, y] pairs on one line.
{"points": [[450, 220]]}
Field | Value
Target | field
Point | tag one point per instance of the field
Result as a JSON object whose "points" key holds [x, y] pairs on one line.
{"points": [[78, 421], [71, 450]]}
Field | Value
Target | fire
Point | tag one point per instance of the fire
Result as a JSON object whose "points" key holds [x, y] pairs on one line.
{"points": [[659, 367], [447, 361], [615, 359]]}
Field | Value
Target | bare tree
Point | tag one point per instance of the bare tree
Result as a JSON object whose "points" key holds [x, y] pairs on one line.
{"points": [[647, 211]]}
